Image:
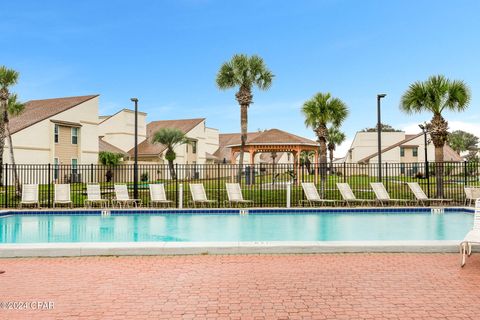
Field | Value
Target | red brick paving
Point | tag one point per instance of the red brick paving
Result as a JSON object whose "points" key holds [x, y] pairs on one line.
{"points": [[323, 286]]}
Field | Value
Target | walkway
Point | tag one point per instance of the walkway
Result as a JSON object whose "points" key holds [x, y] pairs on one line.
{"points": [[324, 286]]}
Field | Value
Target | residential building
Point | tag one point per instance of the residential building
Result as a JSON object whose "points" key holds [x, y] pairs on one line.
{"points": [[57, 131], [397, 147]]}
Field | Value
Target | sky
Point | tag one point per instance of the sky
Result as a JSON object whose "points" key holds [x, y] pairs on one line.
{"points": [[167, 54]]}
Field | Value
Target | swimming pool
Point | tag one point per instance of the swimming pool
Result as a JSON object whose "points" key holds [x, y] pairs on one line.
{"points": [[180, 227]]}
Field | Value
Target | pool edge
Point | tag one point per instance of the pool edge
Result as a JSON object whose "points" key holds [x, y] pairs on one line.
{"points": [[216, 248]]}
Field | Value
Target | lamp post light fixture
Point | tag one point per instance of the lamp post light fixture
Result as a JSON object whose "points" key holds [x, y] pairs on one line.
{"points": [[379, 135], [135, 147]]}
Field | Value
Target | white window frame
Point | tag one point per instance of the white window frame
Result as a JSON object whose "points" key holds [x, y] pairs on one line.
{"points": [[56, 133], [72, 135]]}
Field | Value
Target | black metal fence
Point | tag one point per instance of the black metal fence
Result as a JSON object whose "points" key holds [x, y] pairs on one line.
{"points": [[265, 184]]}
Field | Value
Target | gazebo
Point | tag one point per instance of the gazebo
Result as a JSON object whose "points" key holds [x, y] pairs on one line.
{"points": [[275, 140]]}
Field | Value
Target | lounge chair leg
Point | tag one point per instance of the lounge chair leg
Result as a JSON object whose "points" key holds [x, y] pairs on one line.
{"points": [[462, 253], [469, 249]]}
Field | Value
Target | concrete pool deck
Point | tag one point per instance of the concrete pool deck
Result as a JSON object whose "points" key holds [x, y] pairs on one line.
{"points": [[217, 248]]}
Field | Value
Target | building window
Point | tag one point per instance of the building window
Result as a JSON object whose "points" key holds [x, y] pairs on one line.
{"points": [[74, 166], [415, 152], [194, 147], [402, 152], [55, 168], [55, 133], [74, 135]]}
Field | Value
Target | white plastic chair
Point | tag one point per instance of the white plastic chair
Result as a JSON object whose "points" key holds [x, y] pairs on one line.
{"points": [[471, 195], [157, 194], [234, 193], [94, 196], [421, 197], [199, 195], [382, 194], [62, 195], [472, 237], [30, 195], [122, 198], [348, 195], [312, 194]]}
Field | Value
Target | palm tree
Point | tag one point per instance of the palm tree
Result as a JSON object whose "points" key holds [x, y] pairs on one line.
{"points": [[111, 160], [319, 112], [170, 138], [8, 78], [461, 141], [14, 108], [244, 72], [335, 137], [435, 95]]}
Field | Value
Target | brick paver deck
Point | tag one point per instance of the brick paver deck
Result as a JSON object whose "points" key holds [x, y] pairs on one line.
{"points": [[324, 286]]}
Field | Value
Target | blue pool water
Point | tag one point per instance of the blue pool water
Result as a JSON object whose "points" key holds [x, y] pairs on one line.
{"points": [[224, 227]]}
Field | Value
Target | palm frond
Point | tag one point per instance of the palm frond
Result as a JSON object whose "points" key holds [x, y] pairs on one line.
{"points": [[8, 77]]}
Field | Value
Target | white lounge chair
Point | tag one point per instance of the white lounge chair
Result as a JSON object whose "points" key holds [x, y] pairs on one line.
{"points": [[312, 195], [157, 194], [30, 195], [235, 196], [382, 194], [472, 237], [94, 196], [199, 196], [471, 195], [348, 195], [122, 198], [421, 197], [61, 195]]}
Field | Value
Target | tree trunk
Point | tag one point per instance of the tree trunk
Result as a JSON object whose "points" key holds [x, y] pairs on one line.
{"points": [[322, 134], [331, 147], [438, 129], [244, 97], [171, 166], [18, 188]]}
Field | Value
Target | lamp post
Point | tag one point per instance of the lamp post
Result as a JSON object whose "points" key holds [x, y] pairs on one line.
{"points": [[379, 135], [424, 128], [135, 161]]}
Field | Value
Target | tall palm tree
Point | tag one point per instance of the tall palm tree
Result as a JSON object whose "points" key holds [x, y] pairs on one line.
{"points": [[8, 78], [319, 112], [335, 137], [244, 72], [435, 95], [14, 108], [170, 138]]}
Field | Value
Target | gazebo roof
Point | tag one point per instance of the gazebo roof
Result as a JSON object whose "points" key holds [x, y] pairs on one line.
{"points": [[274, 137]]}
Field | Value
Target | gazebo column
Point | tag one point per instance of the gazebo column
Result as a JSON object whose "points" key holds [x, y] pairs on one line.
{"points": [[299, 170], [315, 166]]}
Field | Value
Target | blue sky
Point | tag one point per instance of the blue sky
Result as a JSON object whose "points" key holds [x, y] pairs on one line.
{"points": [[167, 54]]}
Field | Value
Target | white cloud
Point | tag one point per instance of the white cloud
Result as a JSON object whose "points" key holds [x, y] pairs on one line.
{"points": [[473, 128]]}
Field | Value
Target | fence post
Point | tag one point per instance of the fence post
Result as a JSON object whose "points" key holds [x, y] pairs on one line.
{"points": [[289, 192], [180, 196], [91, 173], [48, 186], [261, 185], [177, 191], [218, 184], [427, 174], [6, 185]]}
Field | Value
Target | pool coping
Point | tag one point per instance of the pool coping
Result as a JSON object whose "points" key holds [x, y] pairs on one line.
{"points": [[253, 210], [200, 248]]}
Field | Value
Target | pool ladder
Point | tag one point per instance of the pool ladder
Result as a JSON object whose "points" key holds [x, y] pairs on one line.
{"points": [[105, 213], [243, 212], [437, 210]]}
